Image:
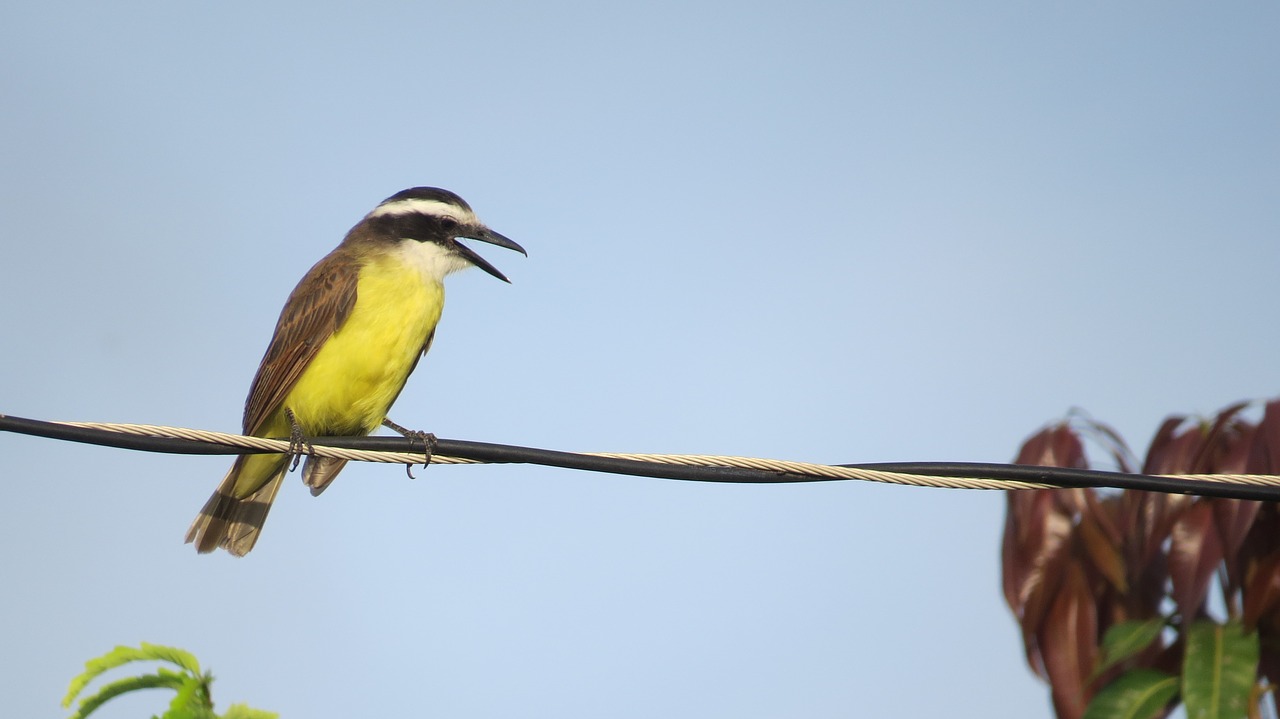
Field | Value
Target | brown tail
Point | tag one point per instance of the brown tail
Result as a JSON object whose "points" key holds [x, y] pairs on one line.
{"points": [[319, 472], [231, 523]]}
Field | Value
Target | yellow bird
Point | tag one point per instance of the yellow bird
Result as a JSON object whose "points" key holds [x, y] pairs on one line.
{"points": [[349, 336]]}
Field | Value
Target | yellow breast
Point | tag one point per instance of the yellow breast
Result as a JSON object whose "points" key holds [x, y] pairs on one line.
{"points": [[349, 387]]}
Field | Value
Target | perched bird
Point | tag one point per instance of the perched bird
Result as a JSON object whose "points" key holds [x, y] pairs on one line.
{"points": [[348, 337]]}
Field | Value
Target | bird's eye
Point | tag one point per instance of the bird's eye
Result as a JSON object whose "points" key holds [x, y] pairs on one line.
{"points": [[448, 223]]}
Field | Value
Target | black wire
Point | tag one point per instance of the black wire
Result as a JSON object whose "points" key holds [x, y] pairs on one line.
{"points": [[511, 454]]}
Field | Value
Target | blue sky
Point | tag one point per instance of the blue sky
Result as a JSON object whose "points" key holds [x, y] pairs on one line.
{"points": [[819, 231]]}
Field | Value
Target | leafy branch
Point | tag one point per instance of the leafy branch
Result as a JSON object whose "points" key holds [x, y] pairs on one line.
{"points": [[192, 699], [1112, 589]]}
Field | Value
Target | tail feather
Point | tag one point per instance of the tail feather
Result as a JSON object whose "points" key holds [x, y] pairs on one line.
{"points": [[318, 472], [234, 523], [230, 522]]}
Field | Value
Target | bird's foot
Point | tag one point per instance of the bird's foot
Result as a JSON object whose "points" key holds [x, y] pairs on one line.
{"points": [[299, 445], [428, 442]]}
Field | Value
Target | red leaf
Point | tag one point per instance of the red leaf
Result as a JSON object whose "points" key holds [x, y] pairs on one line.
{"points": [[1265, 455], [1036, 533], [1143, 518], [1221, 438], [1069, 643], [1104, 555], [1106, 511], [1262, 592], [1269, 659], [1111, 440], [1011, 571], [1261, 542], [1178, 456], [1233, 518], [1057, 446], [1037, 526], [1159, 443], [1235, 460], [1156, 514], [1194, 552]]}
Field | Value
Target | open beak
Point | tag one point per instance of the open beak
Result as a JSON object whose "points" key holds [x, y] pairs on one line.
{"points": [[484, 234]]}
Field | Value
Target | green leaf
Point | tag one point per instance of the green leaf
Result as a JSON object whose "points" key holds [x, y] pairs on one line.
{"points": [[1126, 639], [192, 700], [1219, 670], [240, 711], [1138, 694], [123, 655], [189, 712], [173, 655], [161, 680]]}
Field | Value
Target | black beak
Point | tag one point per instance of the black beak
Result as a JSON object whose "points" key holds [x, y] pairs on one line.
{"points": [[484, 234]]}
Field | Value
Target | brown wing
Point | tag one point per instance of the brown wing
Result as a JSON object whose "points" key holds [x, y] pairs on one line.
{"points": [[319, 305]]}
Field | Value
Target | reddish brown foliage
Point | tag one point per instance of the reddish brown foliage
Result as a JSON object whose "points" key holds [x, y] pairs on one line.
{"points": [[1078, 561]]}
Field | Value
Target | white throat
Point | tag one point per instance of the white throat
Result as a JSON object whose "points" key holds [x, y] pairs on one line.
{"points": [[430, 259]]}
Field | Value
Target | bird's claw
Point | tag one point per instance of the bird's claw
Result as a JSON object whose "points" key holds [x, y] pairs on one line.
{"points": [[299, 445], [428, 443]]}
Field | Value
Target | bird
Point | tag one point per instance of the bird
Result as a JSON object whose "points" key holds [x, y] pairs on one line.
{"points": [[347, 340]]}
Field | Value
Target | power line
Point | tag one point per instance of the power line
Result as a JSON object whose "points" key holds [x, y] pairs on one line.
{"points": [[698, 468]]}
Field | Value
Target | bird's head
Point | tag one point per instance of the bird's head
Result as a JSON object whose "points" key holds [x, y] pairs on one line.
{"points": [[429, 222]]}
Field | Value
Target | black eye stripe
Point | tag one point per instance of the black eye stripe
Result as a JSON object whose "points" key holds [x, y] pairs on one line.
{"points": [[418, 226]]}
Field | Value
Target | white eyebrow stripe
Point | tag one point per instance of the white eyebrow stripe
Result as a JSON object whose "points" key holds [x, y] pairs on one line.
{"points": [[424, 207]]}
